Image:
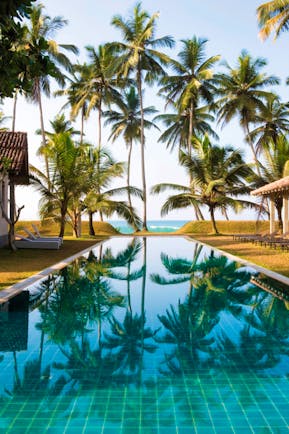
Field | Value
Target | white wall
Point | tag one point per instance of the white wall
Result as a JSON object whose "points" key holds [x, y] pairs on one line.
{"points": [[4, 200]]}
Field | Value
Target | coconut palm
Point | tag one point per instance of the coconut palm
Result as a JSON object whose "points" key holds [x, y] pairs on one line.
{"points": [[59, 125], [273, 17], [192, 83], [68, 178], [77, 82], [218, 174], [181, 269], [127, 122], [97, 85], [178, 124], [215, 285], [139, 55], [99, 197], [274, 165], [242, 93], [129, 256], [128, 341], [40, 31], [272, 120]]}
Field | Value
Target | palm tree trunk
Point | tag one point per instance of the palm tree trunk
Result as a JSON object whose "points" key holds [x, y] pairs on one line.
{"points": [[75, 224], [62, 220], [191, 133], [128, 179], [11, 234], [43, 132], [128, 172], [79, 223], [139, 86], [99, 148], [90, 223], [82, 126], [191, 129], [14, 111], [247, 132], [215, 230], [99, 127], [198, 212]]}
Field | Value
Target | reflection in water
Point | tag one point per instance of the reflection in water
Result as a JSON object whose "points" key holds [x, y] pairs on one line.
{"points": [[14, 323], [98, 356]]}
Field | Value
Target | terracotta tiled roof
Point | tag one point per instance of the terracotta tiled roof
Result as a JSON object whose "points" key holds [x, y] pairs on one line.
{"points": [[274, 187], [14, 149]]}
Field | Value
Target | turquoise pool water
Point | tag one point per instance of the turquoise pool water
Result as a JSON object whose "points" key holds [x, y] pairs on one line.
{"points": [[156, 335]]}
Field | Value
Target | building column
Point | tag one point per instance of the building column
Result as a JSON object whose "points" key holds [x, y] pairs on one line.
{"points": [[285, 216], [272, 216]]}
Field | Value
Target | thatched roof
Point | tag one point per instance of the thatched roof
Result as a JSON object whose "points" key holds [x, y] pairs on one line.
{"points": [[274, 187], [14, 151]]}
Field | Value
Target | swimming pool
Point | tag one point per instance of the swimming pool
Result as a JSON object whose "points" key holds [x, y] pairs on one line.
{"points": [[156, 335]]}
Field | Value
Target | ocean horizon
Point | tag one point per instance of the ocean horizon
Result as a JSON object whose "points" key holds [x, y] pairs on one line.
{"points": [[153, 225]]}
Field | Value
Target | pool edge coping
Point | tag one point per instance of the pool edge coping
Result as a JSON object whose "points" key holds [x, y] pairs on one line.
{"points": [[269, 273], [15, 289]]}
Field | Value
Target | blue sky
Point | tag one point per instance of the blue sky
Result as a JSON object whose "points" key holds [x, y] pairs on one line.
{"points": [[229, 26]]}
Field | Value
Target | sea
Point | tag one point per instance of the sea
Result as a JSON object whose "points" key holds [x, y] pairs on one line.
{"points": [[153, 225]]}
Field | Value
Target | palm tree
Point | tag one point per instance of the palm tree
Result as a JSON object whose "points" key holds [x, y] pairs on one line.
{"points": [[272, 120], [241, 93], [138, 54], [96, 86], [99, 197], [127, 339], [40, 30], [273, 16], [74, 92], [127, 122], [68, 178], [59, 125], [178, 124], [181, 269], [193, 81], [274, 167], [218, 175], [128, 257]]}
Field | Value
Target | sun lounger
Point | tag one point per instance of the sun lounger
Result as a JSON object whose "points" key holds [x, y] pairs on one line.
{"points": [[28, 243], [38, 236], [246, 237]]}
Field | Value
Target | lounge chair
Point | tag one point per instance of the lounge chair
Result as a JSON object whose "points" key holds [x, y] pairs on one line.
{"points": [[28, 243], [38, 236], [247, 237]]}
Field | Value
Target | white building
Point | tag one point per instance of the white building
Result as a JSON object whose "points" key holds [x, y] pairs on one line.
{"points": [[13, 171]]}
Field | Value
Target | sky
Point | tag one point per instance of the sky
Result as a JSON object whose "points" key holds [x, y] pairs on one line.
{"points": [[229, 26]]}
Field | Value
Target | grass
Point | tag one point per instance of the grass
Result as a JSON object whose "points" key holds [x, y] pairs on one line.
{"points": [[51, 228], [225, 227]]}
